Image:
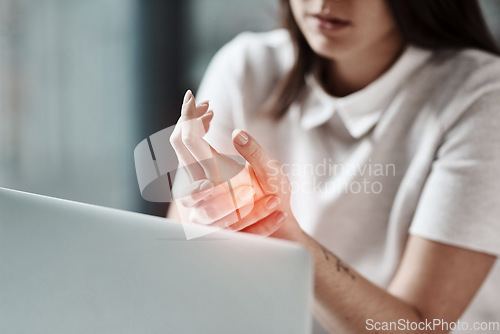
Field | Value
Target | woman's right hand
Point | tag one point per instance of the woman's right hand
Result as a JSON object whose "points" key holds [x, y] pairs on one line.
{"points": [[216, 190]]}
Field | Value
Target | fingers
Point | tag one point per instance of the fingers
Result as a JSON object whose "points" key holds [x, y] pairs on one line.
{"points": [[206, 119], [268, 225], [187, 112], [266, 169], [215, 208], [188, 132], [194, 170], [192, 137], [262, 208], [195, 192]]}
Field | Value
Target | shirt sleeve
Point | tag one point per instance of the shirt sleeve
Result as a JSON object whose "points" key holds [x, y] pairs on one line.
{"points": [[460, 202]]}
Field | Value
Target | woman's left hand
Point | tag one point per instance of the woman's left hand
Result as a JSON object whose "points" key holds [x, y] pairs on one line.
{"points": [[273, 181]]}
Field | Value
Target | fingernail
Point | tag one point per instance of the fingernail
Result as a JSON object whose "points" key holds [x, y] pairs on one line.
{"points": [[203, 104], [272, 203], [280, 217], [188, 96], [247, 194], [241, 138], [206, 185]]}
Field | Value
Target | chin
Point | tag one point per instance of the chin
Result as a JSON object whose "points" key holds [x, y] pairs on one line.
{"points": [[330, 50], [329, 46]]}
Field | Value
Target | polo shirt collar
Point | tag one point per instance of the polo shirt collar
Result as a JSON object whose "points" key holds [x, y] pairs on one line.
{"points": [[361, 110]]}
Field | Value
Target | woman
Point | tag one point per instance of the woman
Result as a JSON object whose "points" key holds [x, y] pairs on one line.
{"points": [[382, 118]]}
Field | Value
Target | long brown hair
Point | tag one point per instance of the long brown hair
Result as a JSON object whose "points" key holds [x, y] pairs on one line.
{"points": [[430, 24]]}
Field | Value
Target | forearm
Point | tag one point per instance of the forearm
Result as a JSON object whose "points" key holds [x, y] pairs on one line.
{"points": [[344, 299]]}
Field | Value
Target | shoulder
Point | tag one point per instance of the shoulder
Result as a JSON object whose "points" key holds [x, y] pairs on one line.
{"points": [[472, 71], [475, 58], [255, 54], [478, 67], [463, 80]]}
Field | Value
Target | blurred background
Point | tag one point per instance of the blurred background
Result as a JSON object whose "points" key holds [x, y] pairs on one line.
{"points": [[82, 82]]}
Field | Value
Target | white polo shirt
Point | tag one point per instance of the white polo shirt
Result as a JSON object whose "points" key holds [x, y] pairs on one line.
{"points": [[415, 152]]}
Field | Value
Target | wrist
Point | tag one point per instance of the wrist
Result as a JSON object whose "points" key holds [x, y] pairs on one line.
{"points": [[290, 231]]}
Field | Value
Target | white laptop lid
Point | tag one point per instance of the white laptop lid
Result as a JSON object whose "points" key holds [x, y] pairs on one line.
{"points": [[68, 267]]}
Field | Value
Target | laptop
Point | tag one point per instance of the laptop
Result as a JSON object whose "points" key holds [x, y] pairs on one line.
{"points": [[69, 267]]}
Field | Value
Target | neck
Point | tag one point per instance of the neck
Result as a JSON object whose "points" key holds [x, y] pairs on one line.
{"points": [[351, 74]]}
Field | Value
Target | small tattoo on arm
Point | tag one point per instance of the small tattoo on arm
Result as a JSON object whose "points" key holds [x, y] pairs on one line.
{"points": [[340, 265]]}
